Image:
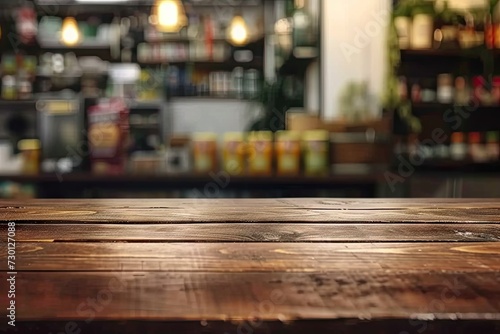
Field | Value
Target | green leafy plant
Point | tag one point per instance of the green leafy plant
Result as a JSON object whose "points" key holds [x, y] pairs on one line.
{"points": [[392, 101], [274, 103], [448, 15], [493, 5], [413, 7]]}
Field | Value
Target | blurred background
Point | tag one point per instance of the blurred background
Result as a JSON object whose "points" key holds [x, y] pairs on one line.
{"points": [[249, 98]]}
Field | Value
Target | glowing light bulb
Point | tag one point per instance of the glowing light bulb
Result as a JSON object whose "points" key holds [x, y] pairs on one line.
{"points": [[238, 31], [169, 15], [70, 34]]}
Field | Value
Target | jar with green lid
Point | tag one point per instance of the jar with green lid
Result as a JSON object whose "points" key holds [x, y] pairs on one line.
{"points": [[315, 146], [260, 153]]}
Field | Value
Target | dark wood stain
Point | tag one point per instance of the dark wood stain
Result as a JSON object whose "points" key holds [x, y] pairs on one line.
{"points": [[255, 266], [255, 232]]}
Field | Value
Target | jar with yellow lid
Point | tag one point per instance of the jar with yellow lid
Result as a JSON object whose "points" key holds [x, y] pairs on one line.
{"points": [[315, 146], [260, 153], [205, 152], [234, 153], [31, 152], [287, 148]]}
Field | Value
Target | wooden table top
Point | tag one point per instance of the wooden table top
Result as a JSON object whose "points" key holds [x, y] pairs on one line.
{"points": [[253, 266]]}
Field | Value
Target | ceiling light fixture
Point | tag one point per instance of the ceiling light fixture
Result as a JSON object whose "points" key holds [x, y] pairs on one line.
{"points": [[70, 34], [169, 15], [237, 33]]}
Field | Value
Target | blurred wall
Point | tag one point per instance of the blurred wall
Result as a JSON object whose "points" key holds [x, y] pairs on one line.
{"points": [[354, 48], [354, 37], [188, 115]]}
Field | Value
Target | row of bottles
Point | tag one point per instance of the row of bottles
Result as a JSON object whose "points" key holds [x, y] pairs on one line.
{"points": [[423, 25], [478, 147], [447, 89], [239, 84]]}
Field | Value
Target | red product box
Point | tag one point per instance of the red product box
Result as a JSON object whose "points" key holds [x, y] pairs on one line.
{"points": [[108, 136]]}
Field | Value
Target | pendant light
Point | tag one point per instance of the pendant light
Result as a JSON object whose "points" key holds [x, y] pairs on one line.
{"points": [[237, 32], [169, 15], [70, 34]]}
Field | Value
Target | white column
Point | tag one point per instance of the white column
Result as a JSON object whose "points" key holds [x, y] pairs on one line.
{"points": [[312, 101], [354, 48]]}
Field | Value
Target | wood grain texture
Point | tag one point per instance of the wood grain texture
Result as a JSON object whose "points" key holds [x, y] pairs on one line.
{"points": [[255, 232], [245, 211], [260, 326], [377, 294], [289, 265], [262, 257]]}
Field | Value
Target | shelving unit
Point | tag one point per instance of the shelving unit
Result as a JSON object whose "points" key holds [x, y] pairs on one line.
{"points": [[436, 173], [67, 185]]}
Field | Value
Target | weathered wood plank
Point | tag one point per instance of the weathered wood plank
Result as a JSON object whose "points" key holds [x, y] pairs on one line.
{"points": [[238, 211], [269, 296], [255, 232], [262, 257], [307, 203], [259, 326]]}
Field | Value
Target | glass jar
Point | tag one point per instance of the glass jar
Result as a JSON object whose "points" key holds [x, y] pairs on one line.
{"points": [[316, 147], [9, 89], [205, 152], [260, 155], [234, 153], [31, 152], [403, 30], [422, 31], [287, 148]]}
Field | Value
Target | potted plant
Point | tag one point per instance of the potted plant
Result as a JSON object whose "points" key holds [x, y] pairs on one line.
{"points": [[274, 103], [394, 104]]}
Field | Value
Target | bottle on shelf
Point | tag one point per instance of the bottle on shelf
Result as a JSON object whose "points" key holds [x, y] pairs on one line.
{"points": [[462, 92], [445, 88], [416, 93], [458, 148], [476, 149], [423, 27], [481, 94], [495, 90], [489, 32], [209, 36], [303, 30], [493, 145], [237, 82]]}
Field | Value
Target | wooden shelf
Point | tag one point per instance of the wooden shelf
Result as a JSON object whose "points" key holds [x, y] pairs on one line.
{"points": [[145, 3], [190, 180], [435, 107], [459, 167], [144, 126], [457, 53], [14, 105], [85, 45], [227, 65], [208, 99]]}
